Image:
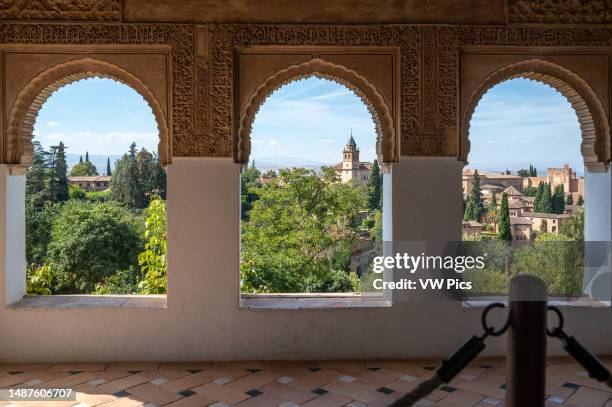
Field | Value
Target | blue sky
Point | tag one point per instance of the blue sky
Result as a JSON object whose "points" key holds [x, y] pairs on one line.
{"points": [[516, 123], [96, 115]]}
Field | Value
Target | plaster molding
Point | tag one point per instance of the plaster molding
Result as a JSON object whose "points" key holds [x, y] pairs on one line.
{"points": [[594, 124], [317, 67], [82, 10], [31, 98]]}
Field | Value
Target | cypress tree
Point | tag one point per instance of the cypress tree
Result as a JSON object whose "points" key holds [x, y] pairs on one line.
{"points": [[505, 228], [580, 200], [546, 203], [475, 206], [537, 203], [558, 200], [108, 167], [86, 156], [58, 180], [493, 210], [37, 175], [569, 200], [375, 187], [80, 159]]}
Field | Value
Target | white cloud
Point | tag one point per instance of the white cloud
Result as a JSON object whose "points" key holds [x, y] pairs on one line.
{"points": [[324, 140], [272, 143], [52, 124]]}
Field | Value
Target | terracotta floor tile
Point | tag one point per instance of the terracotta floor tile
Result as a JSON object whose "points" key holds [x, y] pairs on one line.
{"points": [[253, 381], [316, 379], [261, 401], [480, 388], [129, 401], [287, 392], [222, 393], [154, 394], [92, 396], [13, 379], [127, 382], [23, 367], [133, 366], [585, 397], [185, 365], [379, 377], [355, 390], [328, 400], [197, 400], [187, 382], [78, 367], [460, 398], [70, 381]]}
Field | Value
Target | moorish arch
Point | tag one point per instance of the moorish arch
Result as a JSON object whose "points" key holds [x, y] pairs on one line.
{"points": [[594, 125], [30, 99], [386, 142]]}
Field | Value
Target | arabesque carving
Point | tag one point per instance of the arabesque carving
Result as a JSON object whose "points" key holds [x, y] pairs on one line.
{"points": [[594, 125], [82, 10], [31, 98]]}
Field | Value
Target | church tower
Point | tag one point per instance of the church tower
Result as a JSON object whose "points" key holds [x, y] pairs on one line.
{"points": [[350, 160]]}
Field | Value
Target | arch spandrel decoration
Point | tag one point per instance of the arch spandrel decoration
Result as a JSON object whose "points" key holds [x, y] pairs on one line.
{"points": [[594, 125], [386, 140], [30, 99]]}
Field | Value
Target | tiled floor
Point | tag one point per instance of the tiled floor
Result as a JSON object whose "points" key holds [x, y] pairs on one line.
{"points": [[286, 384]]}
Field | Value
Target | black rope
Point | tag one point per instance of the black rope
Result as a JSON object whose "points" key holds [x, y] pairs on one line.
{"points": [[423, 390]]}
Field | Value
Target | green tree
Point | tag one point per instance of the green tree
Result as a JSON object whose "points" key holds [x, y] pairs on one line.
{"points": [[546, 203], [108, 167], [569, 200], [474, 206], [86, 156], [375, 187], [38, 220], [152, 260], [80, 159], [505, 228], [537, 203], [76, 192], [580, 201], [530, 191], [492, 211], [558, 200], [37, 176], [248, 189], [292, 227], [573, 228], [58, 180], [83, 169], [91, 241], [138, 178]]}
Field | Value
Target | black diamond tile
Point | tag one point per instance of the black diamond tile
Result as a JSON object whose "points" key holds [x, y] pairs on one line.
{"points": [[448, 389], [503, 386], [429, 367], [254, 393], [194, 370], [485, 366], [385, 390], [186, 393], [320, 391], [134, 371], [314, 369], [572, 386], [253, 370], [15, 372], [373, 368], [75, 372], [121, 393]]}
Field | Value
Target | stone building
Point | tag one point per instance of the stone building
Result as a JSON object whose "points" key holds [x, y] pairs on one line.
{"points": [[491, 180], [351, 169], [94, 183], [205, 68], [566, 176]]}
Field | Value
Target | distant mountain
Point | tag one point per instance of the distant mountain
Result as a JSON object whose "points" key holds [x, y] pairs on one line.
{"points": [[98, 160], [276, 162]]}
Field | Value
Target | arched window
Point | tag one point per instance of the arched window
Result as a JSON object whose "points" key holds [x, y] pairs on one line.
{"points": [[311, 220], [95, 192], [530, 155]]}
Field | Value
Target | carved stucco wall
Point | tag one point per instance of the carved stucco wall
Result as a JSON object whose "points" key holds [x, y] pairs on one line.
{"points": [[203, 75]]}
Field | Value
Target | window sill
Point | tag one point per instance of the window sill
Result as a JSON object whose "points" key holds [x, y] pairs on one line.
{"points": [[311, 301], [30, 302], [481, 302]]}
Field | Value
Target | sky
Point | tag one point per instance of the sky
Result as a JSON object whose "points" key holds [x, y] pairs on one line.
{"points": [[101, 116], [516, 123]]}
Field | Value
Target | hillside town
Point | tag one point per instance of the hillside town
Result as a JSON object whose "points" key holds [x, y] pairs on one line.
{"points": [[536, 204]]}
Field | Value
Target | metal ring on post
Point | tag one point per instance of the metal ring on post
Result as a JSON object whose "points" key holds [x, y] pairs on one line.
{"points": [[557, 331], [489, 330]]}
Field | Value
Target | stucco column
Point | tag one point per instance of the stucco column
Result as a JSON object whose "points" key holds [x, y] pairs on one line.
{"points": [[12, 224], [598, 235]]}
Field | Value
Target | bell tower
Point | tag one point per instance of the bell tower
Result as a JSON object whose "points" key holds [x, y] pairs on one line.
{"points": [[350, 158]]}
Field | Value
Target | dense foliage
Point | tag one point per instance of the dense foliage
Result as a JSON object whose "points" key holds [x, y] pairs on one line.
{"points": [[298, 232]]}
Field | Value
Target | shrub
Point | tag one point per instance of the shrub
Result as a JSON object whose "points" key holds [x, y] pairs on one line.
{"points": [[90, 242], [153, 260]]}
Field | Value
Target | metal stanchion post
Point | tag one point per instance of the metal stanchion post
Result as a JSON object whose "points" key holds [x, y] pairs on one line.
{"points": [[526, 367]]}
